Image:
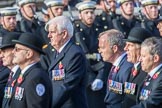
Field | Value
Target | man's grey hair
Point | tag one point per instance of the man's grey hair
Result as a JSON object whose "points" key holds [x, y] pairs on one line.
{"points": [[114, 37], [63, 23], [154, 45]]}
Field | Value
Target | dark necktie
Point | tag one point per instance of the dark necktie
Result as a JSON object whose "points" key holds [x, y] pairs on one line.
{"points": [[146, 79], [10, 76], [111, 72]]}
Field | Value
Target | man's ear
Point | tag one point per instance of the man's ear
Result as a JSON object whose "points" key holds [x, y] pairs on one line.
{"points": [[143, 10], [156, 58], [80, 16], [65, 34], [30, 53], [115, 48]]}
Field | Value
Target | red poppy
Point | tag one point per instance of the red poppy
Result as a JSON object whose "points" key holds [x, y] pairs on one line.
{"points": [[156, 75], [134, 72], [13, 83], [60, 65], [116, 69], [20, 79]]}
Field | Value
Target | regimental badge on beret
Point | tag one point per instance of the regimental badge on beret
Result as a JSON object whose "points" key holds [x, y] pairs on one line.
{"points": [[96, 29], [86, 5]]}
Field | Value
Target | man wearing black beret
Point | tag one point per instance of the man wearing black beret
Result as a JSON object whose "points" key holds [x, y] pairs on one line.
{"points": [[32, 89]]}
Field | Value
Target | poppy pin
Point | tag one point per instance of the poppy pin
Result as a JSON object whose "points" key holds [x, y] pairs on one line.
{"points": [[13, 83], [134, 72], [116, 69], [20, 79], [60, 65], [156, 75]]}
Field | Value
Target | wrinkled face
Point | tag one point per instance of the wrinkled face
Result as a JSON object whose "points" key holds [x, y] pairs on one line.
{"points": [[20, 53], [28, 9], [133, 52], [87, 16], [112, 4], [7, 56], [105, 49], [55, 11], [159, 26], [9, 22], [127, 8], [151, 11], [146, 59], [55, 36]]}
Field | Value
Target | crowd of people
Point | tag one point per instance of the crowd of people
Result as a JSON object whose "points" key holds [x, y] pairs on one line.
{"points": [[104, 60]]}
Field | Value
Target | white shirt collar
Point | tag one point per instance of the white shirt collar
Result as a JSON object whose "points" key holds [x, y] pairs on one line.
{"points": [[14, 69], [136, 65], [63, 46], [152, 72], [27, 67], [118, 60]]}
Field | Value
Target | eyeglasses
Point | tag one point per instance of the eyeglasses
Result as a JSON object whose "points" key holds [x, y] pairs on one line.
{"points": [[18, 49]]}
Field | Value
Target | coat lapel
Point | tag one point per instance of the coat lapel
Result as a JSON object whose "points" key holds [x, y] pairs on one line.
{"points": [[56, 60], [9, 85], [146, 87], [25, 74], [138, 71]]}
